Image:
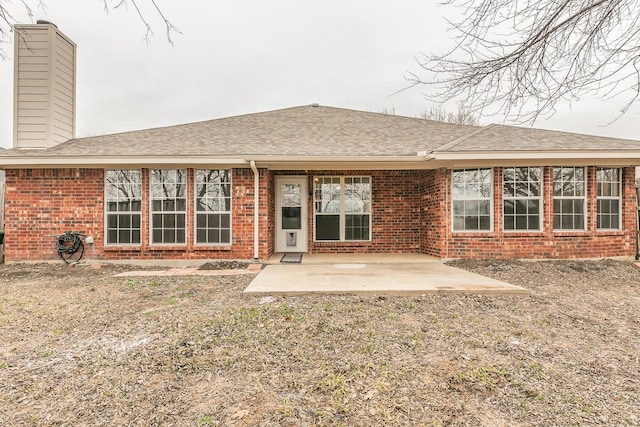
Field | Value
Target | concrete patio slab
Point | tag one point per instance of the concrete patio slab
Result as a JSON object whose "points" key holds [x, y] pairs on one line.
{"points": [[399, 278]]}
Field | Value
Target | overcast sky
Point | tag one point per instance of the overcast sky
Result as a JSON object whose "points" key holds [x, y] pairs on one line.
{"points": [[244, 56]]}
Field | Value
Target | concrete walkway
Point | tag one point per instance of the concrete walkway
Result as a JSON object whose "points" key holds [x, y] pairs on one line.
{"points": [[389, 274]]}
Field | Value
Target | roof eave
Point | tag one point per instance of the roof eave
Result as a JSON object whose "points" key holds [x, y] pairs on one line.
{"points": [[537, 158], [272, 162], [24, 162]]}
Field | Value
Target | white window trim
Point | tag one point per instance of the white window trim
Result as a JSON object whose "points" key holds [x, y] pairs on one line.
{"points": [[196, 212], [107, 213], [618, 198], [584, 200], [342, 214], [151, 211], [540, 200], [491, 202]]}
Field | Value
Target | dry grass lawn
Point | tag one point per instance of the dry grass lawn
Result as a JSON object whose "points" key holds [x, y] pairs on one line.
{"points": [[80, 347]]}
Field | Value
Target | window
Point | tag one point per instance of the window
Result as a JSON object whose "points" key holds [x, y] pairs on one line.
{"points": [[608, 198], [569, 198], [342, 207], [472, 198], [168, 194], [123, 198], [213, 206], [522, 197]]}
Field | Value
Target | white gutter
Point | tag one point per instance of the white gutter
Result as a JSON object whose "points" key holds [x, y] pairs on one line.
{"points": [[256, 213], [17, 162], [628, 155], [28, 160]]}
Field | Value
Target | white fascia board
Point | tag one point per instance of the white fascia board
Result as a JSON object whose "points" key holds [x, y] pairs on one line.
{"points": [[23, 162], [359, 162], [599, 156], [271, 162]]}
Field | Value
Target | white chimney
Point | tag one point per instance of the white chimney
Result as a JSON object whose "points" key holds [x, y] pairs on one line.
{"points": [[44, 94]]}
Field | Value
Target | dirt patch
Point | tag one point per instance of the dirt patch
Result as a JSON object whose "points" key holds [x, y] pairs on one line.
{"points": [[78, 346], [224, 265]]}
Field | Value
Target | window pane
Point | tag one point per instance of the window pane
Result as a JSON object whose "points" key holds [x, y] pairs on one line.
{"points": [[213, 195], [484, 207], [124, 221], [169, 236], [213, 220], [458, 207], [225, 221], [123, 190], [348, 200], [471, 207], [168, 205], [472, 223], [608, 198], [357, 227], [509, 223], [327, 227], [356, 196], [578, 206], [290, 195], [509, 207], [124, 236], [472, 193], [569, 200], [291, 218]]}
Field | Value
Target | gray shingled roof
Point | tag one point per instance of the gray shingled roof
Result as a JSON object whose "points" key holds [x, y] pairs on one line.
{"points": [[318, 131], [512, 138], [297, 131]]}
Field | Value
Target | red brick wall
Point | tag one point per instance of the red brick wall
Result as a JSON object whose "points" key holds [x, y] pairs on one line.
{"points": [[548, 243], [396, 216], [434, 196], [411, 212], [43, 203], [268, 217]]}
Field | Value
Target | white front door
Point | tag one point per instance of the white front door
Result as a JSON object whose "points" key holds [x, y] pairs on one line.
{"points": [[291, 214]]}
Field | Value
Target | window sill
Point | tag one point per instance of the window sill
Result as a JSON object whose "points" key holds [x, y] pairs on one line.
{"points": [[467, 233], [119, 248], [168, 248], [611, 232], [222, 247], [572, 233], [523, 233]]}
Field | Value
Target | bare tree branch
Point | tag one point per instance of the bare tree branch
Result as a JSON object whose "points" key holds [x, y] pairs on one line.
{"points": [[461, 117], [7, 19], [521, 58]]}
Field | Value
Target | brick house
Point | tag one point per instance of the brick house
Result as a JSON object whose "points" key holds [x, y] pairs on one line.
{"points": [[310, 179]]}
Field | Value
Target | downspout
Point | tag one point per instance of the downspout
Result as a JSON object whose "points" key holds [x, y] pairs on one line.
{"points": [[256, 207]]}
